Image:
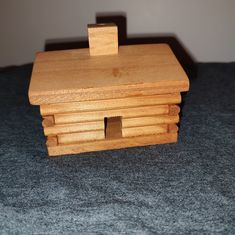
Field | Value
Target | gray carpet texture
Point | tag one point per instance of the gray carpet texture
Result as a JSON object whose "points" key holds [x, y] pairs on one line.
{"points": [[183, 188]]}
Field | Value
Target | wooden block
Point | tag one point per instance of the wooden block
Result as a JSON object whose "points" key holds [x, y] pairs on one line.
{"points": [[74, 127], [144, 130], [107, 97], [174, 110], [100, 115], [52, 141], [113, 128], [172, 128], [150, 120], [111, 94], [112, 144], [137, 69], [50, 109], [48, 121], [80, 136], [103, 39]]}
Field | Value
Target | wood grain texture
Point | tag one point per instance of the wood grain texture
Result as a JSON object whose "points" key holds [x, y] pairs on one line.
{"points": [[112, 144], [100, 115], [112, 94], [80, 137], [149, 120], [59, 77], [103, 39], [74, 127], [50, 109], [144, 130]]}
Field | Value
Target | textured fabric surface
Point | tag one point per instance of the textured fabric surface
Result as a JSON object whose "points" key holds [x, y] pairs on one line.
{"points": [[184, 188]]}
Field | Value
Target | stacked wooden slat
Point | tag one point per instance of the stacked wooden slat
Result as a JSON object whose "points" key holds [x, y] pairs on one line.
{"points": [[92, 121], [91, 103]]}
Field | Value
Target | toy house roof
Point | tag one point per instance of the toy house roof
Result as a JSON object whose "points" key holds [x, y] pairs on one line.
{"points": [[74, 75]]}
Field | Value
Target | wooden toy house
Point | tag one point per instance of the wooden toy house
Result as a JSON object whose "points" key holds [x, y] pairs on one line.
{"points": [[107, 97]]}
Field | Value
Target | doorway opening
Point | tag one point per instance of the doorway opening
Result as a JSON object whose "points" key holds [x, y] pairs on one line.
{"points": [[113, 127]]}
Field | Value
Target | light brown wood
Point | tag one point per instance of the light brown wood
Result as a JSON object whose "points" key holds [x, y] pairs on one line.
{"points": [[78, 76], [172, 128], [80, 54], [113, 128], [73, 127], [51, 109], [107, 97], [100, 115], [144, 130], [48, 121], [112, 144], [173, 110], [52, 141], [103, 39], [149, 120], [112, 94], [80, 136]]}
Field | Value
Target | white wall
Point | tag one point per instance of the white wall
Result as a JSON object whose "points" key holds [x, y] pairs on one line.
{"points": [[205, 27]]}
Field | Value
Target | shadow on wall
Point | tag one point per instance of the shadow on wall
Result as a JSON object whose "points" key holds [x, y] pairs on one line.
{"points": [[120, 20]]}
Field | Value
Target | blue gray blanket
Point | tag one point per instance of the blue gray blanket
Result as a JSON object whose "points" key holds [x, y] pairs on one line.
{"points": [[184, 188]]}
